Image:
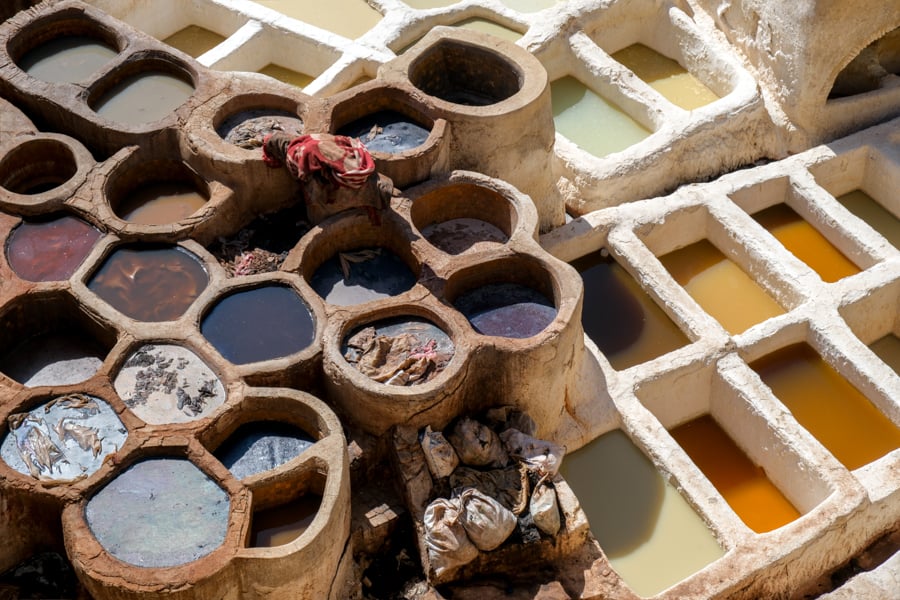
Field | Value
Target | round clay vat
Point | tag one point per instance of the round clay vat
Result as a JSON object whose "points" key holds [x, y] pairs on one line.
{"points": [[375, 406], [39, 173], [410, 145], [50, 249]]}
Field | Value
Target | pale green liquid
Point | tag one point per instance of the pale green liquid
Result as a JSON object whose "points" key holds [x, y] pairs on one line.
{"points": [[286, 75], [426, 4], [349, 18], [486, 26], [528, 6], [880, 219], [194, 40], [588, 120], [650, 534]]}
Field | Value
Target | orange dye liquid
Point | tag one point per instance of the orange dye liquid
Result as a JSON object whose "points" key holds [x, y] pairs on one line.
{"points": [[720, 287], [624, 322], [828, 406], [743, 484], [804, 242]]}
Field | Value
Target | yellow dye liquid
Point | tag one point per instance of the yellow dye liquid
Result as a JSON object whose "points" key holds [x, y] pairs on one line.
{"points": [[804, 242], [283, 524], [625, 323], [878, 218], [349, 18], [161, 203], [194, 40], [743, 484], [295, 78], [585, 118], [888, 350], [828, 406], [649, 532], [720, 287], [666, 76]]}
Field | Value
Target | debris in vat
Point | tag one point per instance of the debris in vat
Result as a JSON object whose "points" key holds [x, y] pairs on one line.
{"points": [[165, 383], [248, 129], [63, 440], [399, 352], [263, 245]]}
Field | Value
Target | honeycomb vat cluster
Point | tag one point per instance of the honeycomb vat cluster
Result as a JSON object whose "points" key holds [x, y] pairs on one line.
{"points": [[175, 387]]}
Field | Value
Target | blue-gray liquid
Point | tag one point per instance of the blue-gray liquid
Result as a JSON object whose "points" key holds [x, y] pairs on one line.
{"points": [[261, 446], [386, 131], [383, 276], [259, 324], [506, 310]]}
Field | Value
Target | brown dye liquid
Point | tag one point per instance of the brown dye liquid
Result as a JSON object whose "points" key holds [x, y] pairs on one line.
{"points": [[652, 537], [888, 350], [66, 59], [283, 524], [666, 76], [150, 284], [743, 484], [50, 250], [624, 322], [194, 40], [880, 219], [720, 287], [143, 98], [804, 242], [161, 203], [289, 76], [828, 406]]}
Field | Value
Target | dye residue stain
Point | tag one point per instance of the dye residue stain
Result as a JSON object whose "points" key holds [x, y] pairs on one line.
{"points": [[888, 350], [743, 484], [506, 310], [624, 322], [57, 358], [876, 216], [456, 236], [259, 324], [666, 76], [261, 446], [828, 406], [161, 203], [50, 250], [590, 121], [804, 242], [650, 534], [362, 275], [194, 40], [143, 98], [720, 287], [174, 513], [150, 283], [66, 59], [65, 439], [387, 131], [164, 383], [283, 524]]}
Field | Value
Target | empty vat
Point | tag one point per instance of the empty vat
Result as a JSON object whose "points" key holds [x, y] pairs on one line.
{"points": [[803, 241], [150, 283], [143, 96], [175, 513], [743, 484], [349, 18], [828, 406], [263, 323], [67, 59], [387, 131], [720, 286], [874, 214], [194, 40], [362, 275], [260, 446], [51, 249], [507, 310], [888, 349], [652, 537], [165, 383], [37, 166], [666, 76], [67, 438], [588, 120], [620, 317]]}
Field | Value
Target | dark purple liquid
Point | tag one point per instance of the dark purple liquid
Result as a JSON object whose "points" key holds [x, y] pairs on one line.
{"points": [[259, 324], [150, 283], [506, 310], [50, 250]]}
